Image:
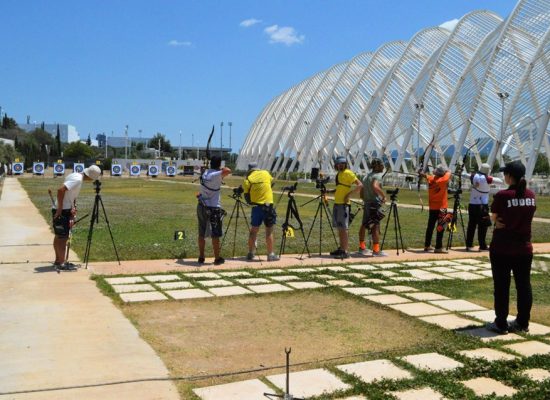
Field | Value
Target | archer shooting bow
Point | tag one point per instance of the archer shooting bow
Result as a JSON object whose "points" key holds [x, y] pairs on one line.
{"points": [[423, 166]]}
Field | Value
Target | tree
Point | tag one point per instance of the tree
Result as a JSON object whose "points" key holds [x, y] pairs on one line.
{"points": [[89, 140], [8, 123], [7, 153], [541, 165], [79, 151], [164, 143], [139, 146]]}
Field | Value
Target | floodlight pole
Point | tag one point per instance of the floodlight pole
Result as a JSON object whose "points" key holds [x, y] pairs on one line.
{"points": [[419, 107], [179, 151], [230, 125], [503, 96], [221, 138], [126, 143]]}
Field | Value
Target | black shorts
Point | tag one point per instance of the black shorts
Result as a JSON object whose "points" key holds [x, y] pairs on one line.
{"points": [[210, 221], [62, 225]]}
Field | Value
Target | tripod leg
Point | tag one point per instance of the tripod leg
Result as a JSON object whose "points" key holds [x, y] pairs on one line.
{"points": [[395, 227], [95, 214], [228, 225], [329, 220], [399, 227], [296, 215], [311, 229], [109, 227], [386, 228]]}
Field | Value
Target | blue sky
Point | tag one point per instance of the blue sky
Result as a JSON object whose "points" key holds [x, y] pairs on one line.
{"points": [[170, 66]]}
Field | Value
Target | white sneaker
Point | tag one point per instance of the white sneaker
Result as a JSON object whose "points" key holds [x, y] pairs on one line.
{"points": [[379, 254], [364, 252]]}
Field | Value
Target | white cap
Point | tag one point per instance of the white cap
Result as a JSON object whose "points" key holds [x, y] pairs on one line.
{"points": [[92, 172], [485, 168]]}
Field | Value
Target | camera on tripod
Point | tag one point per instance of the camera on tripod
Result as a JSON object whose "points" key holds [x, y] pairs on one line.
{"points": [[393, 193], [290, 189], [320, 183], [97, 185], [237, 192]]}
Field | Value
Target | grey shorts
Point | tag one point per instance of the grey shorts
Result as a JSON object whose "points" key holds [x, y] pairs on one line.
{"points": [[340, 216], [210, 221]]}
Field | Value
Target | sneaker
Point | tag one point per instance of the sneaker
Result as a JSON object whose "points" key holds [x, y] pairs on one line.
{"points": [[484, 248], [379, 254], [441, 251], [201, 260], [342, 255], [515, 327], [219, 261], [470, 249], [273, 257], [427, 249], [364, 252], [492, 327], [250, 256], [336, 252], [70, 265]]}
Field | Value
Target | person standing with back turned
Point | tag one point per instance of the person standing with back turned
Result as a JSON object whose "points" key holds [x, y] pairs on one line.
{"points": [[511, 249]]}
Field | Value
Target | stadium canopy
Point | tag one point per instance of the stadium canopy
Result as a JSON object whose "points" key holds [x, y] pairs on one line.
{"points": [[482, 83]]}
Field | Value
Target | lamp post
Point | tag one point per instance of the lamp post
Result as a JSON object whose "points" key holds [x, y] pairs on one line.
{"points": [[179, 151], [221, 138], [230, 154], [502, 96], [419, 107], [105, 145]]}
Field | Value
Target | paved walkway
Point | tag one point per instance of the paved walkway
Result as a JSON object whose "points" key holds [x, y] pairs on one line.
{"points": [[57, 330]]}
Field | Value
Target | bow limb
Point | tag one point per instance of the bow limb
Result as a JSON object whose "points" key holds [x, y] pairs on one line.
{"points": [[423, 167], [207, 157]]}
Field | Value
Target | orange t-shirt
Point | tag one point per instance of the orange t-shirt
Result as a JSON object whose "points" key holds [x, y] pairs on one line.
{"points": [[437, 190]]}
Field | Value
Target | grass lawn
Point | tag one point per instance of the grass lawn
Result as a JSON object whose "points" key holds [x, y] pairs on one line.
{"points": [[144, 213]]}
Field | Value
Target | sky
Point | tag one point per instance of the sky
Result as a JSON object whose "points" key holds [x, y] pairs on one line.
{"points": [[180, 66]]}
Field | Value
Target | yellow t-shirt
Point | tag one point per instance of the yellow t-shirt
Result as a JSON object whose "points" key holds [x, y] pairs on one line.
{"points": [[258, 184], [345, 181]]}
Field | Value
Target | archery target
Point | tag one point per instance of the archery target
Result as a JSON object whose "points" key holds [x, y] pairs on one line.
{"points": [[153, 170], [59, 169], [18, 168], [78, 167], [116, 170], [170, 170], [135, 170], [38, 168]]}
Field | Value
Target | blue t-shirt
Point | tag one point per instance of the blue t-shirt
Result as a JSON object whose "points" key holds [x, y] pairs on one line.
{"points": [[211, 181]]}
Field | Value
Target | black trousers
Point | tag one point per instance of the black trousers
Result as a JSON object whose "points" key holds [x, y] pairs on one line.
{"points": [[474, 221], [502, 267], [432, 222]]}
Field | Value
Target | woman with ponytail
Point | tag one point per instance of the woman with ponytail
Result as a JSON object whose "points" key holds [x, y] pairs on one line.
{"points": [[511, 250]]}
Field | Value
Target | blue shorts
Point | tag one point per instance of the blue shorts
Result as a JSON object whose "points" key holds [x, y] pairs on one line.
{"points": [[265, 214]]}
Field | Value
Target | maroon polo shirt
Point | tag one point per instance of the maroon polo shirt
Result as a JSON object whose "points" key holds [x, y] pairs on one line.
{"points": [[516, 214]]}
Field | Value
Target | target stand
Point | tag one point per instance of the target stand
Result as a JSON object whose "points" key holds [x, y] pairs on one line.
{"points": [[18, 168], [116, 170], [135, 170], [59, 169], [38, 168], [153, 171], [171, 171], [78, 167]]}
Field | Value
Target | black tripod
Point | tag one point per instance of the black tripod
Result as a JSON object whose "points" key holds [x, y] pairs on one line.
{"points": [[457, 215], [396, 223], [94, 220], [292, 212], [287, 395], [239, 208], [322, 208]]}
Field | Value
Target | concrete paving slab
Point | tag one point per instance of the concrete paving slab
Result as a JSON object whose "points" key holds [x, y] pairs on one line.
{"points": [[362, 291], [449, 321], [302, 270], [142, 296], [484, 265], [271, 271], [418, 309], [537, 374], [161, 278], [124, 280], [204, 275], [465, 276], [309, 383], [234, 274], [370, 371], [423, 296], [530, 348], [324, 276], [487, 354], [488, 386], [357, 275], [418, 264], [215, 282], [388, 274], [285, 278], [274, 287], [444, 262], [400, 289], [423, 275], [387, 299], [334, 269], [362, 267], [306, 285], [432, 362], [457, 305], [487, 273], [185, 294], [467, 268], [245, 390], [404, 279], [375, 280], [252, 281], [471, 261], [441, 269], [354, 398], [340, 282], [538, 329], [485, 316], [488, 336], [229, 291], [174, 285], [387, 265], [418, 394], [140, 287]]}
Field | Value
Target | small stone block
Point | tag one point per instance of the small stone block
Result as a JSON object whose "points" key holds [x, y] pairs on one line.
{"points": [[387, 265], [309, 383], [215, 282], [530, 348], [121, 281], [274, 287], [305, 285], [188, 294], [162, 278], [285, 278], [487, 354], [375, 280], [457, 305], [400, 289], [488, 336], [302, 270], [229, 291], [362, 291], [370, 371], [143, 287], [418, 394], [465, 276], [251, 389], [234, 274], [174, 285], [418, 309], [537, 374], [334, 269], [423, 296], [206, 275], [432, 362], [538, 329], [449, 321], [252, 281], [340, 282], [270, 271], [142, 296], [488, 386], [362, 267], [386, 299]]}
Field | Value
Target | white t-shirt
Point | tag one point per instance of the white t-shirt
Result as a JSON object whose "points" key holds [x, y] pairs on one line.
{"points": [[73, 183], [480, 189], [211, 181]]}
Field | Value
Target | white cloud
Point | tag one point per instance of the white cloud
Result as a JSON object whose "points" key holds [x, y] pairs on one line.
{"points": [[449, 25], [178, 43], [284, 34], [247, 23]]}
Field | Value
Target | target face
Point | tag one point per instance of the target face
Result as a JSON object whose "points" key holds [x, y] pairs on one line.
{"points": [[153, 170], [17, 168], [170, 170], [38, 168], [135, 170], [116, 169], [79, 168], [59, 168]]}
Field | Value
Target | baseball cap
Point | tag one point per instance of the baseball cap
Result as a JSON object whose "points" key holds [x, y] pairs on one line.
{"points": [[340, 160], [92, 172], [514, 168], [252, 165], [485, 168], [440, 170]]}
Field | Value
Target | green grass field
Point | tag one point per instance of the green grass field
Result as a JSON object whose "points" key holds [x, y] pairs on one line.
{"points": [[144, 214]]}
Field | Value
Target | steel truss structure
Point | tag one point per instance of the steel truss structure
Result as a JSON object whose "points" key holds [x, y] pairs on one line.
{"points": [[484, 83]]}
